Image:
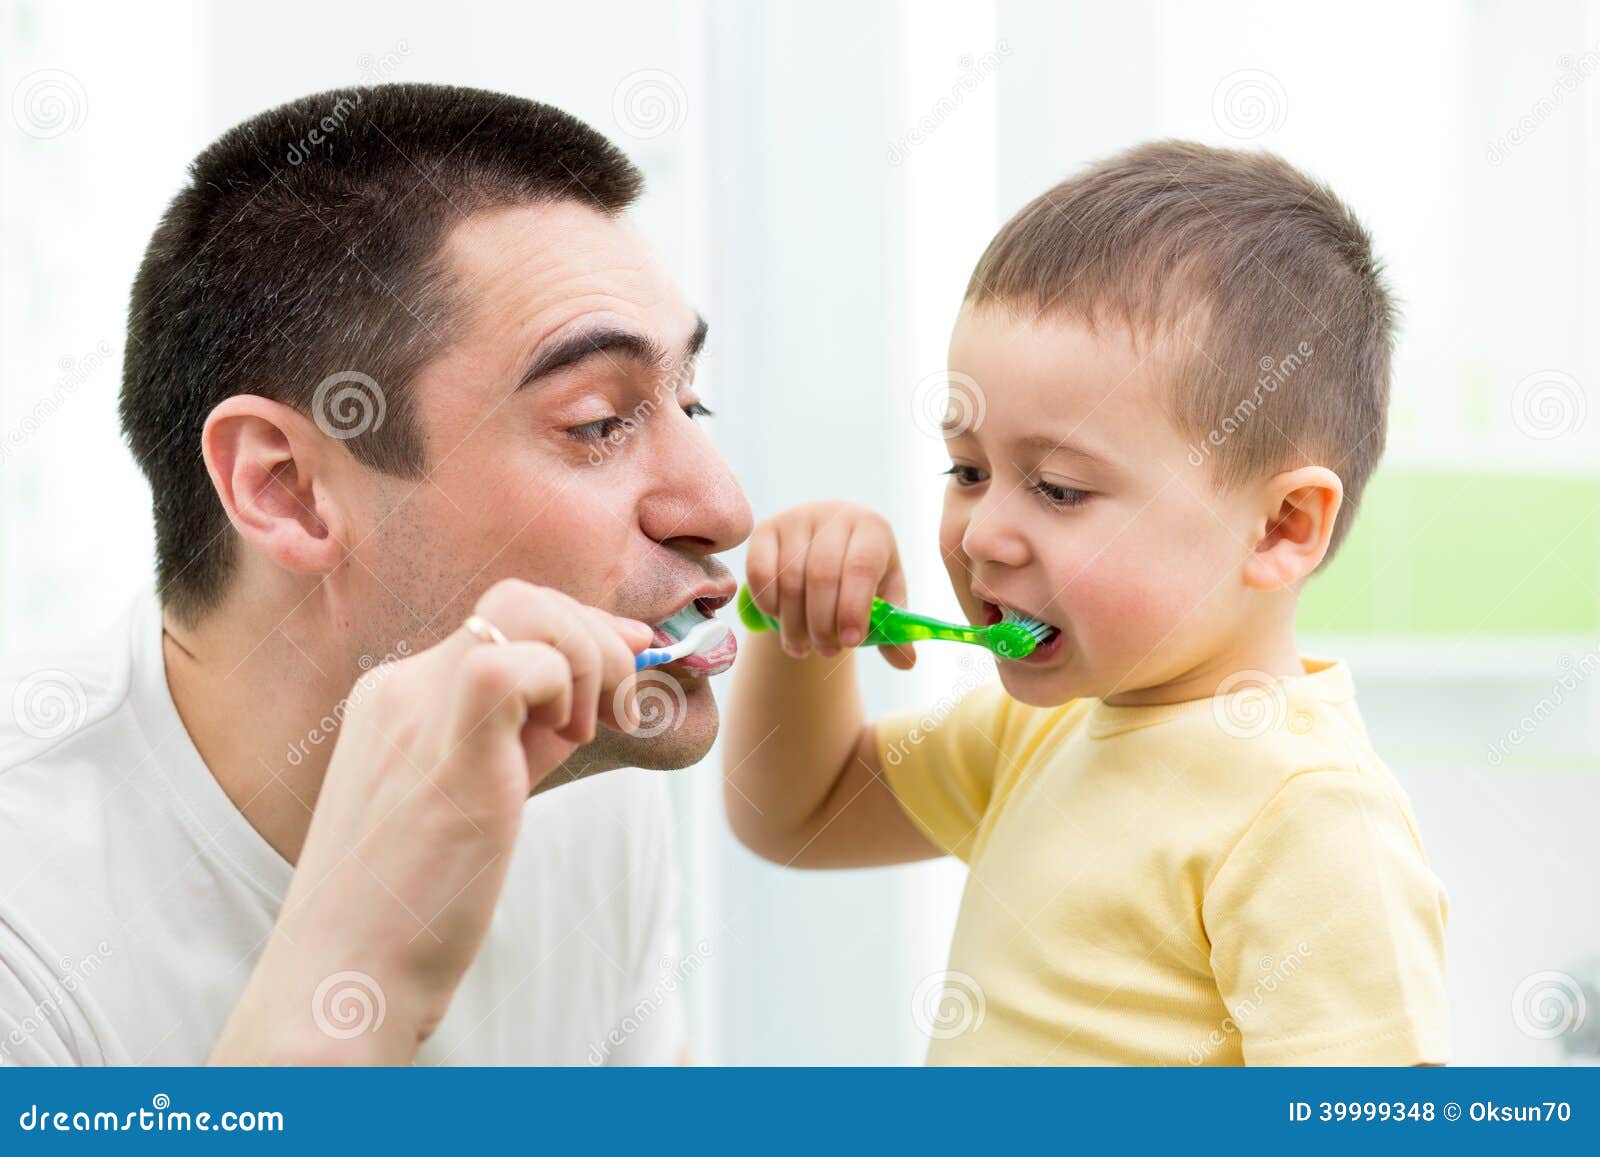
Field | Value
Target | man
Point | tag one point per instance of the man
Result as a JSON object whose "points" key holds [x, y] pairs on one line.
{"points": [[417, 409]]}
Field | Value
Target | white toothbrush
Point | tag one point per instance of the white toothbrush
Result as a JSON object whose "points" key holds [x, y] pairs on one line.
{"points": [[701, 638]]}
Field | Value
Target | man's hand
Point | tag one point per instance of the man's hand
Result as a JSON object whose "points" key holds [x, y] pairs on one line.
{"points": [[414, 827]]}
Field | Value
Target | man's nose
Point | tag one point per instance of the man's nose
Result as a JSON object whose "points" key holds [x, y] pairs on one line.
{"points": [[696, 503]]}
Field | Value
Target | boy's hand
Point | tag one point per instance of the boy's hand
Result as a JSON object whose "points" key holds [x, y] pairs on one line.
{"points": [[817, 567]]}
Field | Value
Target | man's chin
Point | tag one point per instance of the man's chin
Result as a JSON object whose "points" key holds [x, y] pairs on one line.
{"points": [[678, 723]]}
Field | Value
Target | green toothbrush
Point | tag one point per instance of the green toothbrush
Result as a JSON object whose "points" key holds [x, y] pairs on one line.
{"points": [[1013, 637]]}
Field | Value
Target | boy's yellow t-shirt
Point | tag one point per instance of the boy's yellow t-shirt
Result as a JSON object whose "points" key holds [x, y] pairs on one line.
{"points": [[1229, 880]]}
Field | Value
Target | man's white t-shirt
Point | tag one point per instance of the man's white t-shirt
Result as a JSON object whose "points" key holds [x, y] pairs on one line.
{"points": [[135, 898]]}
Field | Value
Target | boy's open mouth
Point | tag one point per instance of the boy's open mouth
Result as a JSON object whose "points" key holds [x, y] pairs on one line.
{"points": [[678, 624], [1049, 646]]}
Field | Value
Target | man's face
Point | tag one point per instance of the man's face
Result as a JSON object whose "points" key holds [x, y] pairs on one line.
{"points": [[561, 447]]}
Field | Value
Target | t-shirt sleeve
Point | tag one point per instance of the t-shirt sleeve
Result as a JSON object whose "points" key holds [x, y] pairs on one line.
{"points": [[36, 1013], [942, 767], [1327, 929]]}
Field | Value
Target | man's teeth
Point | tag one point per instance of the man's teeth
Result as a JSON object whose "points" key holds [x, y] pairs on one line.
{"points": [[681, 623]]}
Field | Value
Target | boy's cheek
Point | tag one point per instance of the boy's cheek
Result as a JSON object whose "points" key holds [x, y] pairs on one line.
{"points": [[952, 527], [955, 559], [1114, 609]]}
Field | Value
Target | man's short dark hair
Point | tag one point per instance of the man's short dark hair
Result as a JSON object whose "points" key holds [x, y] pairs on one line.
{"points": [[303, 262]]}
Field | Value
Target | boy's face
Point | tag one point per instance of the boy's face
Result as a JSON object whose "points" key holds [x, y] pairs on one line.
{"points": [[1074, 500]]}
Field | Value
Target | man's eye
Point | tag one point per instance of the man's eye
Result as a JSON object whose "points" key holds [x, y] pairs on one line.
{"points": [[597, 430], [965, 475], [602, 428]]}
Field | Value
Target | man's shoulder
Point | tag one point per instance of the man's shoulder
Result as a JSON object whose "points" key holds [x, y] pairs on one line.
{"points": [[52, 699], [67, 741], [67, 737]]}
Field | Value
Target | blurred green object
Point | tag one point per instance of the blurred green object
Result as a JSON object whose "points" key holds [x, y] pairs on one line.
{"points": [[1436, 552]]}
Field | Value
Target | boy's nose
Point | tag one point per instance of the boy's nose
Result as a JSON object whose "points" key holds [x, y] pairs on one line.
{"points": [[990, 537]]}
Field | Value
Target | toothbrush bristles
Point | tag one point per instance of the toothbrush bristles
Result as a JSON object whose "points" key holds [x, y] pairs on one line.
{"points": [[703, 637], [1039, 631]]}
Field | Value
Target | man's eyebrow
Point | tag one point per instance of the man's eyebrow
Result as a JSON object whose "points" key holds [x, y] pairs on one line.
{"points": [[613, 341], [697, 339]]}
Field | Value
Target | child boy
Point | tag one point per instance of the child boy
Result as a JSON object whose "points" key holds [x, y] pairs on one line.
{"points": [[1174, 378]]}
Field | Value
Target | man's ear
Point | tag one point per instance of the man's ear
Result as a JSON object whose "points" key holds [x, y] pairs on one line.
{"points": [[1292, 536], [269, 464]]}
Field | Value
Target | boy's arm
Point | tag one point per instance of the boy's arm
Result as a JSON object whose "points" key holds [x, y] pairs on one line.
{"points": [[803, 784]]}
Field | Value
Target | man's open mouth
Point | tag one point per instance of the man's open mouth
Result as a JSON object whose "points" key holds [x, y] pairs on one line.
{"points": [[678, 624]]}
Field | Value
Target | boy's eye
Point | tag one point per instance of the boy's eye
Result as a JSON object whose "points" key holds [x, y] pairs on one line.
{"points": [[1060, 495], [965, 475], [696, 410]]}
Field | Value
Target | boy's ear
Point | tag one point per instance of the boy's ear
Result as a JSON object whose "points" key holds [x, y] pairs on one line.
{"points": [[267, 462], [1292, 536]]}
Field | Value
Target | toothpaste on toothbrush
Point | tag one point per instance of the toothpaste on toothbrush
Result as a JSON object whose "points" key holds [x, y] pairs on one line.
{"points": [[698, 644]]}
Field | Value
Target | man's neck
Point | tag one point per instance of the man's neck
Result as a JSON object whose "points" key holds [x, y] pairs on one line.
{"points": [[259, 703]]}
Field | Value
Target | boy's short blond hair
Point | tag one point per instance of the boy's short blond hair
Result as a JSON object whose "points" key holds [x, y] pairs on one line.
{"points": [[1263, 281]]}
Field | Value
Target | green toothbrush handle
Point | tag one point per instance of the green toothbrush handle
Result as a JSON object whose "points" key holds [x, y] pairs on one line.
{"points": [[887, 624], [752, 616], [891, 624]]}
